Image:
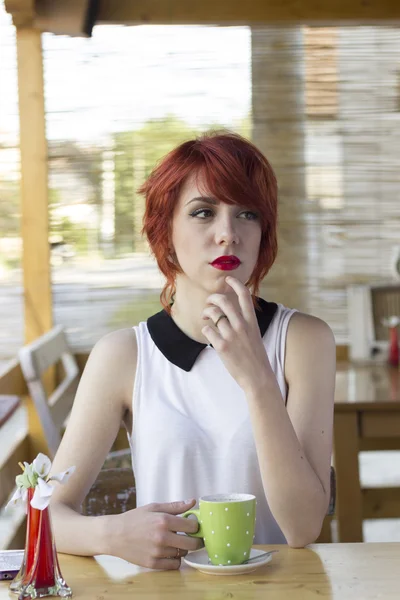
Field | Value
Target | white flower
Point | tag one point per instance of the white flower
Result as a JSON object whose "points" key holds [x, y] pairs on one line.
{"points": [[42, 495], [19, 497], [36, 476], [62, 477], [42, 465]]}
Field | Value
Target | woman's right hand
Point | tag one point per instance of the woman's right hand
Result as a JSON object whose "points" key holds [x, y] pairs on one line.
{"points": [[147, 536]]}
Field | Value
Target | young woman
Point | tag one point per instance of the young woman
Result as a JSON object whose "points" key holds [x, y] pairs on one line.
{"points": [[221, 391]]}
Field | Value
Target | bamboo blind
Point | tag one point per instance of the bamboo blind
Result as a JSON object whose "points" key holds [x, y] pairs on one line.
{"points": [[334, 141]]}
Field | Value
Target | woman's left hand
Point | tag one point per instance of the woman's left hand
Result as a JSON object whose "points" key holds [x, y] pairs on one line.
{"points": [[237, 337]]}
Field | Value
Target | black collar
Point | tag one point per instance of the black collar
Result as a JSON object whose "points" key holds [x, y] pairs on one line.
{"points": [[180, 349]]}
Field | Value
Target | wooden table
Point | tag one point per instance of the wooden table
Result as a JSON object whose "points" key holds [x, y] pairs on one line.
{"points": [[367, 417], [329, 571]]}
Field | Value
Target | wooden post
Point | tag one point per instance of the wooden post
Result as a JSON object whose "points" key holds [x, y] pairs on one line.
{"points": [[348, 498], [34, 202], [34, 189]]}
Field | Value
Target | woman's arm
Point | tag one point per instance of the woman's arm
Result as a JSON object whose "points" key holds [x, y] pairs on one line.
{"points": [[294, 444], [94, 422], [145, 536]]}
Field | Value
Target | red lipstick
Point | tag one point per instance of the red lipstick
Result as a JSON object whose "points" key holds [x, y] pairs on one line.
{"points": [[226, 263]]}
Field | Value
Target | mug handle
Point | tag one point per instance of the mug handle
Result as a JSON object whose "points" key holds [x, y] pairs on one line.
{"points": [[196, 513]]}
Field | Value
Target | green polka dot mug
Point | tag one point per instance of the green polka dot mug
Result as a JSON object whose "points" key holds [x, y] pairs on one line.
{"points": [[226, 524]]}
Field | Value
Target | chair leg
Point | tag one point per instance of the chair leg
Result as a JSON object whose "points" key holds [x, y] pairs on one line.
{"points": [[325, 537]]}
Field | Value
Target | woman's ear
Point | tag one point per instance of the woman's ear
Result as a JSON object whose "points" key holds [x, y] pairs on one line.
{"points": [[172, 257], [171, 251]]}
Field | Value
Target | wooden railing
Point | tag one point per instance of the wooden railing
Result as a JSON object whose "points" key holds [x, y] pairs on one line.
{"points": [[14, 447], [21, 438]]}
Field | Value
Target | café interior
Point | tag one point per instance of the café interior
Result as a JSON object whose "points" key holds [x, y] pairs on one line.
{"points": [[325, 108]]}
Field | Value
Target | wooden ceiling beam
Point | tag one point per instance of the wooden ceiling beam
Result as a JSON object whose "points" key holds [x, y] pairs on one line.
{"points": [[66, 17], [77, 17], [249, 12], [22, 12]]}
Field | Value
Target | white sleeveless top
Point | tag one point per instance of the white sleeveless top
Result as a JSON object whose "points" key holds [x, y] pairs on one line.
{"points": [[192, 434]]}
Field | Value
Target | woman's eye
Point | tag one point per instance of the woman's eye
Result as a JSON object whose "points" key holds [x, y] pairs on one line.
{"points": [[202, 213], [249, 215]]}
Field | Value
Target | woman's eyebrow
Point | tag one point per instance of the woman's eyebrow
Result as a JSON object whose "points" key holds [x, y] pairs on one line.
{"points": [[207, 199]]}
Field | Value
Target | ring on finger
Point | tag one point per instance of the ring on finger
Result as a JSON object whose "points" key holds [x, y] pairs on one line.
{"points": [[219, 318], [178, 553]]}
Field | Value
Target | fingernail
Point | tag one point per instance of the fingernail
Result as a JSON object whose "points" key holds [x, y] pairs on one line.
{"points": [[189, 501]]}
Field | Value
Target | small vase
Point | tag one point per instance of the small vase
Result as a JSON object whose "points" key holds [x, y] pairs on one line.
{"points": [[40, 573], [393, 358], [32, 528]]}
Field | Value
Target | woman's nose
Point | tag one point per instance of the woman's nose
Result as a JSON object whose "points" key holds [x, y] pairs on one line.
{"points": [[226, 233]]}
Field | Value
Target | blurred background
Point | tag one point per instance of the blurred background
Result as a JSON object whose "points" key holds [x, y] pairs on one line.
{"points": [[322, 103]]}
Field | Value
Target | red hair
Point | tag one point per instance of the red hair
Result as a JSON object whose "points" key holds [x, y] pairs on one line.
{"points": [[234, 171]]}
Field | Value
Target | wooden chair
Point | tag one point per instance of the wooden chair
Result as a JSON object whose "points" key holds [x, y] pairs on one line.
{"points": [[8, 405], [35, 359], [112, 493], [326, 532]]}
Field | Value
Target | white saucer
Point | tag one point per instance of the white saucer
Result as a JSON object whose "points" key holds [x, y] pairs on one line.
{"points": [[199, 560]]}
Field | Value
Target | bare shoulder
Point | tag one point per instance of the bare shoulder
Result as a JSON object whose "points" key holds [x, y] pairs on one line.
{"points": [[117, 343], [100, 404], [306, 326], [115, 356], [310, 341]]}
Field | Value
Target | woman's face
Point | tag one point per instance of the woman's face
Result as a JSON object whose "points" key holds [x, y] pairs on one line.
{"points": [[205, 229]]}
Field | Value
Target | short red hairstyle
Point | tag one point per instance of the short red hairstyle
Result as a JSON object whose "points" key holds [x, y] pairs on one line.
{"points": [[234, 171]]}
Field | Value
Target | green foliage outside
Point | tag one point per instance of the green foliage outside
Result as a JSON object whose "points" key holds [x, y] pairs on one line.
{"points": [[10, 255], [9, 207], [139, 309], [135, 153]]}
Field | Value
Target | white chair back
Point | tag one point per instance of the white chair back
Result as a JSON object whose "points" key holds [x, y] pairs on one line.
{"points": [[35, 359], [367, 306]]}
